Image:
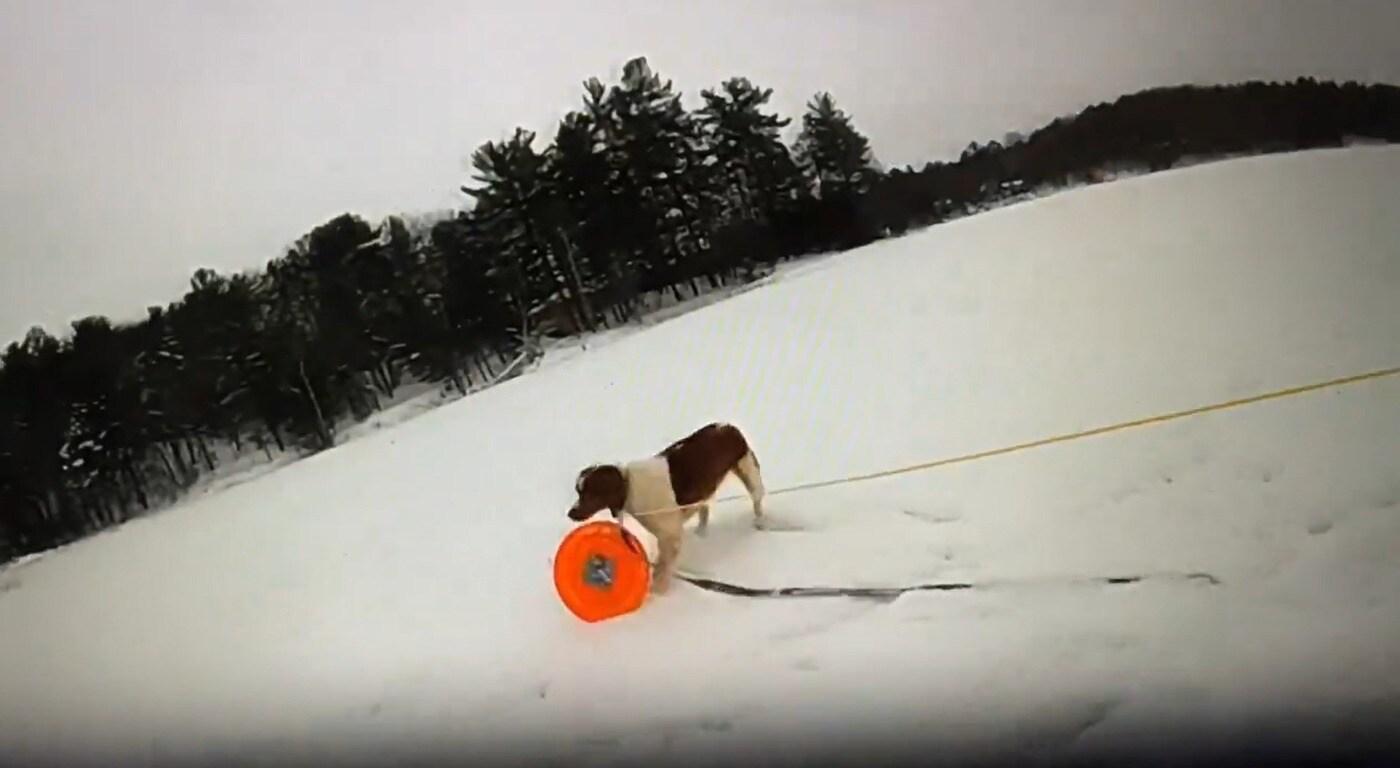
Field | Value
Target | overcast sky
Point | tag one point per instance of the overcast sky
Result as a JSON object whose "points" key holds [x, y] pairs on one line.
{"points": [[142, 139]]}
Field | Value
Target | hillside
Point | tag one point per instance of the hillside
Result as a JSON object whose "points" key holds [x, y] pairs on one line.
{"points": [[116, 419], [390, 598]]}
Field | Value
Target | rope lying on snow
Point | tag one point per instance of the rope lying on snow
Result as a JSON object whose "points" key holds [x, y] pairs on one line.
{"points": [[885, 594], [890, 593]]}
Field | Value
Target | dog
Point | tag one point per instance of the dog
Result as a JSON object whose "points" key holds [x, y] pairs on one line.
{"points": [[663, 491]]}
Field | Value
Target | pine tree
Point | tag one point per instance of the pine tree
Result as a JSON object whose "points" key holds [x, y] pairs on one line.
{"points": [[593, 175], [161, 363], [343, 343], [224, 389], [432, 351], [97, 440], [515, 212], [374, 270], [479, 311], [758, 172], [35, 407], [835, 156], [303, 369], [663, 171], [585, 211]]}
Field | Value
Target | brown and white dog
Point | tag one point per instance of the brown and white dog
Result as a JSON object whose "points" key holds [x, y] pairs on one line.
{"points": [[665, 490]]}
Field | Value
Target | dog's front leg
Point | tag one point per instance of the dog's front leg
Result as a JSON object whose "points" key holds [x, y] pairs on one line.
{"points": [[669, 545]]}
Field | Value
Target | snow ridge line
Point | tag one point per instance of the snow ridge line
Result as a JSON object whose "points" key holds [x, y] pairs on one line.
{"points": [[1150, 420]]}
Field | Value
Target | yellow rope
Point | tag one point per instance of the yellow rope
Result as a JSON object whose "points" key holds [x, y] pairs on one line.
{"points": [[1070, 436]]}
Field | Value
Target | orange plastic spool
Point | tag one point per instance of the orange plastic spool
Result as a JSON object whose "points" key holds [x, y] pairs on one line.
{"points": [[601, 571]]}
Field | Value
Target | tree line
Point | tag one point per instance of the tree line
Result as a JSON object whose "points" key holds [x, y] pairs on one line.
{"points": [[1143, 132], [634, 195]]}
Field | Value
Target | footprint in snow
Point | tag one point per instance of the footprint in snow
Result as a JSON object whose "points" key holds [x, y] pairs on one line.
{"points": [[932, 518], [716, 724], [1320, 527]]}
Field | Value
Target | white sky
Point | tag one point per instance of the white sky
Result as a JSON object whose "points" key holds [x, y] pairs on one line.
{"points": [[143, 140]]}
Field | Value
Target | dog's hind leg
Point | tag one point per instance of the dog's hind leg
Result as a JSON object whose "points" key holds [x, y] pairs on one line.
{"points": [[747, 470], [703, 513]]}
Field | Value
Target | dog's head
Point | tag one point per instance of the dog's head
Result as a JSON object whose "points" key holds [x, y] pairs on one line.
{"points": [[599, 487]]}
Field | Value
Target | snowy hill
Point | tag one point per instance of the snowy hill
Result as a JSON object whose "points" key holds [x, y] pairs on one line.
{"points": [[392, 599]]}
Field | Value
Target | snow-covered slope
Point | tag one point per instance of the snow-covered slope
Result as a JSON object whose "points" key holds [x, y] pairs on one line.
{"points": [[392, 597]]}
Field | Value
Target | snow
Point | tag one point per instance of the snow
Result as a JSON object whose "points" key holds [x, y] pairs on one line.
{"points": [[391, 598]]}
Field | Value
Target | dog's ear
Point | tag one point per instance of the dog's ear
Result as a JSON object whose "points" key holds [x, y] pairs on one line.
{"points": [[599, 487], [583, 477], [607, 485]]}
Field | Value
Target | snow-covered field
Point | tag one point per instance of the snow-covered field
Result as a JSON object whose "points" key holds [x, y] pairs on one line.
{"points": [[390, 600]]}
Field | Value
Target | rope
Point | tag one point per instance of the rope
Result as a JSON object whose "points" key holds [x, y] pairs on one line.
{"points": [[1158, 419]]}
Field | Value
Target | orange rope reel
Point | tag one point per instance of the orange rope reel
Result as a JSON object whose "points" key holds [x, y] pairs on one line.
{"points": [[601, 571]]}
